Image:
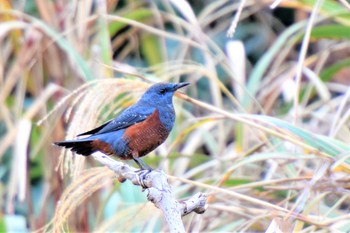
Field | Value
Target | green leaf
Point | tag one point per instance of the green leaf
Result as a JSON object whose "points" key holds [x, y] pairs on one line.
{"points": [[137, 15], [151, 50], [2, 224], [333, 9], [318, 142], [235, 182], [335, 31], [104, 37], [328, 73]]}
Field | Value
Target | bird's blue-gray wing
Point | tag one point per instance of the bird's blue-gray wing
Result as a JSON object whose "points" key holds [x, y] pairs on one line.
{"points": [[130, 116]]}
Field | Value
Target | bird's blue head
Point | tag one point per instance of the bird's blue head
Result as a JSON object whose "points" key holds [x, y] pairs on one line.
{"points": [[161, 93]]}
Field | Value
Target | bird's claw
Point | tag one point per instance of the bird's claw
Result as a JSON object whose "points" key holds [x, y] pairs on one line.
{"points": [[141, 177]]}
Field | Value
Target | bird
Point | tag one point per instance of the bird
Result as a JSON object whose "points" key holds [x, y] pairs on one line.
{"points": [[136, 131]]}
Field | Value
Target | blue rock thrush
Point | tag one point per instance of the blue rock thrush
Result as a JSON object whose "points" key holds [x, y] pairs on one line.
{"points": [[137, 131]]}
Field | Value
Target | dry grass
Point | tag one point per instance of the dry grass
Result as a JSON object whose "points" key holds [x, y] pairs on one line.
{"points": [[266, 137]]}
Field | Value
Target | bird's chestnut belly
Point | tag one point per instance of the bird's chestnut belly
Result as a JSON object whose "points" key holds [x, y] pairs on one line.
{"points": [[145, 136]]}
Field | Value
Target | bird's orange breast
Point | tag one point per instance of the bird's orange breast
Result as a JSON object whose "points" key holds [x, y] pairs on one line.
{"points": [[145, 136]]}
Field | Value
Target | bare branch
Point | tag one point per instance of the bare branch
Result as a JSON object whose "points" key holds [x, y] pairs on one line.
{"points": [[197, 204], [159, 191]]}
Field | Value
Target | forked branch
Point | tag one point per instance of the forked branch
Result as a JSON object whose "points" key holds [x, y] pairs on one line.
{"points": [[159, 191]]}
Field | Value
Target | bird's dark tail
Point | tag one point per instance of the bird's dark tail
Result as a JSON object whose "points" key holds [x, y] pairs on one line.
{"points": [[80, 146]]}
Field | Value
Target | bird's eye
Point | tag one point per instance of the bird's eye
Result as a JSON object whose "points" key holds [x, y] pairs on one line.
{"points": [[161, 91]]}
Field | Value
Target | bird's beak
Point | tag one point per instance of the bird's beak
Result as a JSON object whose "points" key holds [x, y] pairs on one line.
{"points": [[179, 85]]}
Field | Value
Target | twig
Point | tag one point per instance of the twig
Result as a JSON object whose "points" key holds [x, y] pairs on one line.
{"points": [[232, 29], [275, 4], [159, 191], [302, 55]]}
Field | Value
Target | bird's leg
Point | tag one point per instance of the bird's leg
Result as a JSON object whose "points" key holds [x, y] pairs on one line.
{"points": [[142, 164], [143, 172]]}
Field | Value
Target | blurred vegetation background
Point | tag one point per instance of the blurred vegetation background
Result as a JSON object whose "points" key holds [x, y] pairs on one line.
{"points": [[266, 138]]}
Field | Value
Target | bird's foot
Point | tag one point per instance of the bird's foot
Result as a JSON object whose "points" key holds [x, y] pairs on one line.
{"points": [[143, 172], [141, 177]]}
